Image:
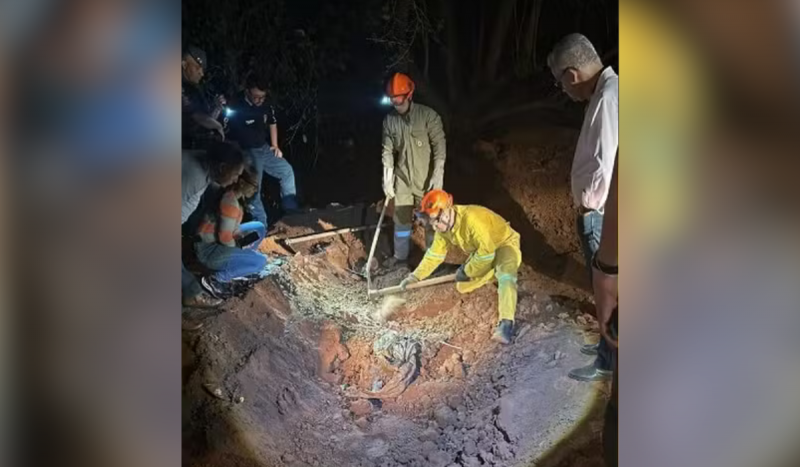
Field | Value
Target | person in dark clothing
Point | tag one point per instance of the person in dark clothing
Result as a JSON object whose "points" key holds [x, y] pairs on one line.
{"points": [[252, 124], [605, 270], [199, 115]]}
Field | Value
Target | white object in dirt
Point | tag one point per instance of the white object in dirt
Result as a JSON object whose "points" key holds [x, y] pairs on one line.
{"points": [[389, 305], [213, 390], [239, 399], [451, 345]]}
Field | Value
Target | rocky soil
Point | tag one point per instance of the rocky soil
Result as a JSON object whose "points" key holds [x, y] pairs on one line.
{"points": [[270, 381]]}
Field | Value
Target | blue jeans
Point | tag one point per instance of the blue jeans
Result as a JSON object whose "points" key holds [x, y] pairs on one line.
{"points": [[229, 263], [263, 160], [590, 229]]}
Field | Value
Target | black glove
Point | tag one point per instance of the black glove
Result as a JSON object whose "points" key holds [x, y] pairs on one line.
{"points": [[461, 275], [410, 279]]}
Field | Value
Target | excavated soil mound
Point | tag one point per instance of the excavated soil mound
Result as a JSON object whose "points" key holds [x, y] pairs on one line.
{"points": [[278, 377]]}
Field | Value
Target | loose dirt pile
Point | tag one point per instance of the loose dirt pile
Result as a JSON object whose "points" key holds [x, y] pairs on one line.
{"points": [[279, 378]]}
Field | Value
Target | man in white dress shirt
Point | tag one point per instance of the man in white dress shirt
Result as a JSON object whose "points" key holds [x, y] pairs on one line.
{"points": [[580, 73]]}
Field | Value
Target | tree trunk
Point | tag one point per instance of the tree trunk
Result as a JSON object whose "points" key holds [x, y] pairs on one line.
{"points": [[497, 43], [531, 35]]}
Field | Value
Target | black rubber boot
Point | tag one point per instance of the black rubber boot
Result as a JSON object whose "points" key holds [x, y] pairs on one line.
{"points": [[503, 332], [590, 349], [591, 373]]}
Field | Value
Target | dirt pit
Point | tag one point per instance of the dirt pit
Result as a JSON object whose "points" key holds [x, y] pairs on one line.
{"points": [[282, 376]]}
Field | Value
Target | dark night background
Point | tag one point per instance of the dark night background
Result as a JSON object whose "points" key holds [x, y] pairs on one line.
{"points": [[479, 64]]}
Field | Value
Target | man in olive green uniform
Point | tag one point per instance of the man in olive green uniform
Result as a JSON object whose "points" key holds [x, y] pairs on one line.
{"points": [[414, 132]]}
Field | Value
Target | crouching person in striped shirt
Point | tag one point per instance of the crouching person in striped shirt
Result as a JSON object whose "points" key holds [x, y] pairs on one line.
{"points": [[490, 241], [227, 246]]}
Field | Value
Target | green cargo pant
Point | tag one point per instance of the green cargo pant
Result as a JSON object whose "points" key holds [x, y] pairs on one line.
{"points": [[405, 202]]}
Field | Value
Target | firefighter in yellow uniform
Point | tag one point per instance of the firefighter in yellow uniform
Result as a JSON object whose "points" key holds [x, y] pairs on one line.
{"points": [[490, 241]]}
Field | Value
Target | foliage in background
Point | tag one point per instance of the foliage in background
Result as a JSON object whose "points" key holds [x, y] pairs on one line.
{"points": [[482, 50], [476, 63]]}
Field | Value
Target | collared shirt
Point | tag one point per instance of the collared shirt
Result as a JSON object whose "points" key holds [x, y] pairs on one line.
{"points": [[194, 181], [597, 144], [248, 123], [418, 139]]}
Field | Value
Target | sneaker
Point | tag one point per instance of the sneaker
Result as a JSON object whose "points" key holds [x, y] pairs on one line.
{"points": [[590, 349], [503, 332], [202, 300], [213, 286], [591, 373]]}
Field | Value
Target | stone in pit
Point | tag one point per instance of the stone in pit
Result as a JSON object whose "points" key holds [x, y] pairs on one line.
{"points": [[361, 408], [445, 416]]}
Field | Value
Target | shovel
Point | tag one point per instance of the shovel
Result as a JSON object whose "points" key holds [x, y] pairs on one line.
{"points": [[372, 248], [417, 285]]}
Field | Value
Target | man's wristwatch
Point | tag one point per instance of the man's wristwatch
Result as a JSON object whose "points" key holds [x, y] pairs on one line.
{"points": [[606, 269]]}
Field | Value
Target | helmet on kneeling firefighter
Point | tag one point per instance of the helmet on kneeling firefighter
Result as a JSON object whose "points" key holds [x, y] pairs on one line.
{"points": [[436, 210]]}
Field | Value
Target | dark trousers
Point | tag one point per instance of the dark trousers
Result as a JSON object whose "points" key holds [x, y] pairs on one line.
{"points": [[611, 424], [590, 228]]}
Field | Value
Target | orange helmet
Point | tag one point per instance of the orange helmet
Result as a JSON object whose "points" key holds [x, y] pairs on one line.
{"points": [[399, 85], [434, 202]]}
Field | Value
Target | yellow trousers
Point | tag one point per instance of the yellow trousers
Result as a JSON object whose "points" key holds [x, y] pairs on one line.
{"points": [[506, 263]]}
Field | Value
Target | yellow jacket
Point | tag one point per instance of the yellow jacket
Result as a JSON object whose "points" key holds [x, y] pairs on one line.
{"points": [[479, 232]]}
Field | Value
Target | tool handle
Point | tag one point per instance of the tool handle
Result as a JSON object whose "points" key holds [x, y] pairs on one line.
{"points": [[415, 285], [374, 244], [329, 233]]}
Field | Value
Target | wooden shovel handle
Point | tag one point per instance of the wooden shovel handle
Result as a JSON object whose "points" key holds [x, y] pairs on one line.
{"points": [[416, 285]]}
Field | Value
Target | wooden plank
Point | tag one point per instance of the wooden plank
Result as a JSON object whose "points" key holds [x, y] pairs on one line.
{"points": [[329, 233]]}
